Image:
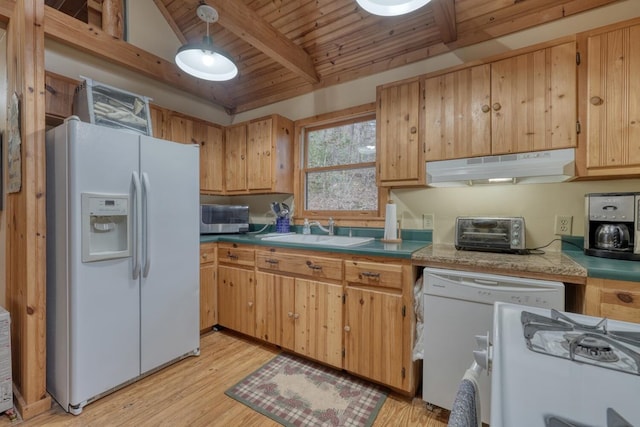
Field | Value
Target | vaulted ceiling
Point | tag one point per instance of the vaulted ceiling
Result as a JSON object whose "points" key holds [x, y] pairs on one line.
{"points": [[286, 48]]}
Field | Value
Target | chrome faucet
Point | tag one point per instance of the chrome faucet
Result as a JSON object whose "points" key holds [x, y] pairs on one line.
{"points": [[326, 230]]}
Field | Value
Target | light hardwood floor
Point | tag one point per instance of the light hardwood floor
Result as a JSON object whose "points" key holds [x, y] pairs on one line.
{"points": [[191, 393]]}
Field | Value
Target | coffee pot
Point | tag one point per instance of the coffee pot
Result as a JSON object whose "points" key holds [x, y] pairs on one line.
{"points": [[612, 236]]}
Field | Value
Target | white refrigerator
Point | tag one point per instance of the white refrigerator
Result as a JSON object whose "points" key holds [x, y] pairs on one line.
{"points": [[122, 258]]}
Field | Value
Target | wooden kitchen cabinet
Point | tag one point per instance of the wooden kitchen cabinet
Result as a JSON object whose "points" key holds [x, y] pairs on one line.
{"points": [[378, 328], [259, 156], [188, 130], [400, 151], [58, 97], [614, 299], [610, 105], [208, 286], [236, 288], [159, 118], [299, 307], [521, 103], [458, 114]]}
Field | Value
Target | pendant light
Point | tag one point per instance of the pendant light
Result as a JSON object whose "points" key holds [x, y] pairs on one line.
{"points": [[391, 7], [203, 60]]}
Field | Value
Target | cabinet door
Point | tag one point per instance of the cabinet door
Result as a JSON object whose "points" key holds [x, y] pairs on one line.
{"points": [[180, 129], [259, 154], [533, 98], [318, 323], [457, 114], [399, 152], [235, 156], [614, 299], [211, 143], [275, 309], [613, 99], [58, 96], [158, 118], [208, 286], [374, 336], [236, 293]]}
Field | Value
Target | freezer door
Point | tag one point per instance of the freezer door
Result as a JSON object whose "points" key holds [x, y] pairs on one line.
{"points": [[103, 296], [170, 251]]}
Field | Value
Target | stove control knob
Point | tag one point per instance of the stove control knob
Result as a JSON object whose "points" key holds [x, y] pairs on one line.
{"points": [[515, 242]]}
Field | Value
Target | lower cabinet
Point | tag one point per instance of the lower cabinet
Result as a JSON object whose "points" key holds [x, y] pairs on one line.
{"points": [[208, 286], [614, 299], [378, 327], [350, 312], [236, 293]]}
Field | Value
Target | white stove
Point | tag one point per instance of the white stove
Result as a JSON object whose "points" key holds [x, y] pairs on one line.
{"points": [[557, 369]]}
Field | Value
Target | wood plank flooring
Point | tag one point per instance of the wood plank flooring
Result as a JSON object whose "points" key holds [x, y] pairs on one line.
{"points": [[191, 393]]}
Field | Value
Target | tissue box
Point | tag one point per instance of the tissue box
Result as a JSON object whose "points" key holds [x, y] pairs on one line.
{"points": [[105, 105]]}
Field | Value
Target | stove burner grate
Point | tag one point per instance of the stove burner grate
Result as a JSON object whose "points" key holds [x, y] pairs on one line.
{"points": [[563, 337]]}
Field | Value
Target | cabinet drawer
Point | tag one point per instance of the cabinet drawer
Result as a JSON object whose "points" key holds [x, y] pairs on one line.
{"points": [[207, 253], [312, 266], [622, 304], [373, 274], [231, 253]]}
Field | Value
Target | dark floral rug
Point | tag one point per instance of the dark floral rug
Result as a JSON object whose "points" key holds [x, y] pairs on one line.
{"points": [[296, 392]]}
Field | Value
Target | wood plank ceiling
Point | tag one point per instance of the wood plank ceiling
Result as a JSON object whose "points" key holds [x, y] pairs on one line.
{"points": [[286, 48]]}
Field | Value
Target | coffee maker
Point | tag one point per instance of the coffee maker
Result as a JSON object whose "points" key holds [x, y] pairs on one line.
{"points": [[612, 225]]}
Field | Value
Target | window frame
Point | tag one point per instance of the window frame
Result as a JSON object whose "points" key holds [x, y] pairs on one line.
{"points": [[334, 119]]}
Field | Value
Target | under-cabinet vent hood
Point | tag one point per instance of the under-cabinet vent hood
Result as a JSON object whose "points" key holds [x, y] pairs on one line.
{"points": [[520, 168]]}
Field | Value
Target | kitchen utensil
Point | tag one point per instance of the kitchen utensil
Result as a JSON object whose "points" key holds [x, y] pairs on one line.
{"points": [[612, 236], [275, 207]]}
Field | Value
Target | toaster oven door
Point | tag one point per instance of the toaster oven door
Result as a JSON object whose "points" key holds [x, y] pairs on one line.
{"points": [[483, 233]]}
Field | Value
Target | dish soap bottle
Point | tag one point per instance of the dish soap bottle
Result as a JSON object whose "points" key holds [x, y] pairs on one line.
{"points": [[306, 227]]}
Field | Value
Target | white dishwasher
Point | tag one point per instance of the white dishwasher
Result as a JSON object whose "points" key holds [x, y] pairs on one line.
{"points": [[458, 305]]}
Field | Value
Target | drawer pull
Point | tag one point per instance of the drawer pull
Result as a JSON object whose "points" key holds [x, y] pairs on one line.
{"points": [[232, 256], [370, 275], [290, 314], [313, 266], [347, 328], [296, 316], [625, 298], [271, 261]]}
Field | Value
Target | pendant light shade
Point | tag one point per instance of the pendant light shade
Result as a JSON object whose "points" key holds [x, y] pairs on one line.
{"points": [[204, 60], [391, 7]]}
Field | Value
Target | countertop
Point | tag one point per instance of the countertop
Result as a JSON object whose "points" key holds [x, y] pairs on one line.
{"points": [[550, 266], [403, 249]]}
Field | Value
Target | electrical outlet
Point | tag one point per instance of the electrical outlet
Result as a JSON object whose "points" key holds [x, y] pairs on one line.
{"points": [[563, 225], [427, 221]]}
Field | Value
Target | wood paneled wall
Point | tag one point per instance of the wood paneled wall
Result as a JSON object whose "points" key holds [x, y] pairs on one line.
{"points": [[26, 212]]}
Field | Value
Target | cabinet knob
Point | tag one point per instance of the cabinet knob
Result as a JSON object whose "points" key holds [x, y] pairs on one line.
{"points": [[486, 108], [596, 100], [625, 298], [296, 316], [413, 129], [497, 106], [205, 256], [347, 328], [290, 314], [242, 157], [250, 303]]}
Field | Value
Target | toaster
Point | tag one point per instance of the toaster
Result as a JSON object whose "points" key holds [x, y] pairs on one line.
{"points": [[223, 219]]}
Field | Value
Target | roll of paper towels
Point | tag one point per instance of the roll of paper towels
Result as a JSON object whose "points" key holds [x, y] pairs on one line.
{"points": [[391, 222]]}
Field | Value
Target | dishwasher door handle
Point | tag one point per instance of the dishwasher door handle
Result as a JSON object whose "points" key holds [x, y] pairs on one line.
{"points": [[486, 282]]}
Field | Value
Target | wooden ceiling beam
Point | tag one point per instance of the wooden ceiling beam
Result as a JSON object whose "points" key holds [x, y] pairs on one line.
{"points": [[444, 14], [87, 38], [250, 27], [172, 23]]}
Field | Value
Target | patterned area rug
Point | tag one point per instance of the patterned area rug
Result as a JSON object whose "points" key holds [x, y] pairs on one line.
{"points": [[296, 392]]}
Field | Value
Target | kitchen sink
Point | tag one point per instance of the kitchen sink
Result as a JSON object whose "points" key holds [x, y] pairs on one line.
{"points": [[319, 239]]}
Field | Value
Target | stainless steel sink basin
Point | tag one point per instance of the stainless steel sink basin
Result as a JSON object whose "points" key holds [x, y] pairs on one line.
{"points": [[319, 239]]}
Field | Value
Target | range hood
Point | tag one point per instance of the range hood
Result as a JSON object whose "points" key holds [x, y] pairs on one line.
{"points": [[520, 168]]}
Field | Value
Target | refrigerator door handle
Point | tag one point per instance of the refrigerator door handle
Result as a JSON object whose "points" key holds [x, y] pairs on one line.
{"points": [[136, 224], [146, 248]]}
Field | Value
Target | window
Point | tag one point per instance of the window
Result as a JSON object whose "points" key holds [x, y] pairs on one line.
{"points": [[339, 168]]}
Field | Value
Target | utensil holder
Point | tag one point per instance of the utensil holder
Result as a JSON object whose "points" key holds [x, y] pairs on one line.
{"points": [[282, 225]]}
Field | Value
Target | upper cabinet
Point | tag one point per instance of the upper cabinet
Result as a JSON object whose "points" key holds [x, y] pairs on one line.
{"points": [[259, 156], [400, 153], [522, 103], [610, 100], [209, 137]]}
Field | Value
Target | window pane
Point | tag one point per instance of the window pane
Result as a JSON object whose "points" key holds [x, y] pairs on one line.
{"points": [[342, 145], [344, 190]]}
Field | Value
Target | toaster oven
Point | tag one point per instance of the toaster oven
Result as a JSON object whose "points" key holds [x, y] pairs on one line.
{"points": [[491, 234], [223, 219]]}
